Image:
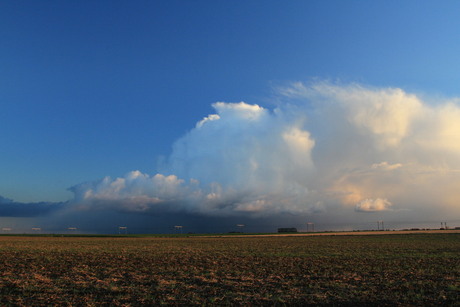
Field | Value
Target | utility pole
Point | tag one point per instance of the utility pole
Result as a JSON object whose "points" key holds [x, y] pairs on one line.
{"points": [[240, 227], [178, 227], [123, 229]]}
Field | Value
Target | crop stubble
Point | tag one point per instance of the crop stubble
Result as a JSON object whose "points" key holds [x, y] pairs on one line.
{"points": [[422, 269]]}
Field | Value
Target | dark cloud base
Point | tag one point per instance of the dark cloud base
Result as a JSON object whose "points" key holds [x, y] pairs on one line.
{"points": [[10, 208], [52, 217]]}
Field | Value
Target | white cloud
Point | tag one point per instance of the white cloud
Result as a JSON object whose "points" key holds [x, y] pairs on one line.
{"points": [[373, 205], [326, 147], [207, 119], [386, 166], [439, 129]]}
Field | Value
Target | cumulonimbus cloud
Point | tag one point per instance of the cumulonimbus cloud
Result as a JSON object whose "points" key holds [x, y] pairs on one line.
{"points": [[324, 147], [243, 159]]}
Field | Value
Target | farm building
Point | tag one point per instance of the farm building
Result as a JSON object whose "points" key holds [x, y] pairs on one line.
{"points": [[282, 230]]}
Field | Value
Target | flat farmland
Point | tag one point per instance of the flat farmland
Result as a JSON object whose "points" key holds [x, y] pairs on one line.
{"points": [[403, 269]]}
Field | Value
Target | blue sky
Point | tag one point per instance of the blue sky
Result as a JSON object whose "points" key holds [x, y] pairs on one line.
{"points": [[90, 89]]}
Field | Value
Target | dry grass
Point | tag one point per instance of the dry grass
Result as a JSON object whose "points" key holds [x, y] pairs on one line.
{"points": [[410, 269]]}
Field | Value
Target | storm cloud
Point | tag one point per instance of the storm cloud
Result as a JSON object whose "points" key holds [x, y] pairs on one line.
{"points": [[323, 148], [10, 208]]}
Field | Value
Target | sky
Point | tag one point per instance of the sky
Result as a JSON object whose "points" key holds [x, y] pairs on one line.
{"points": [[213, 113]]}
